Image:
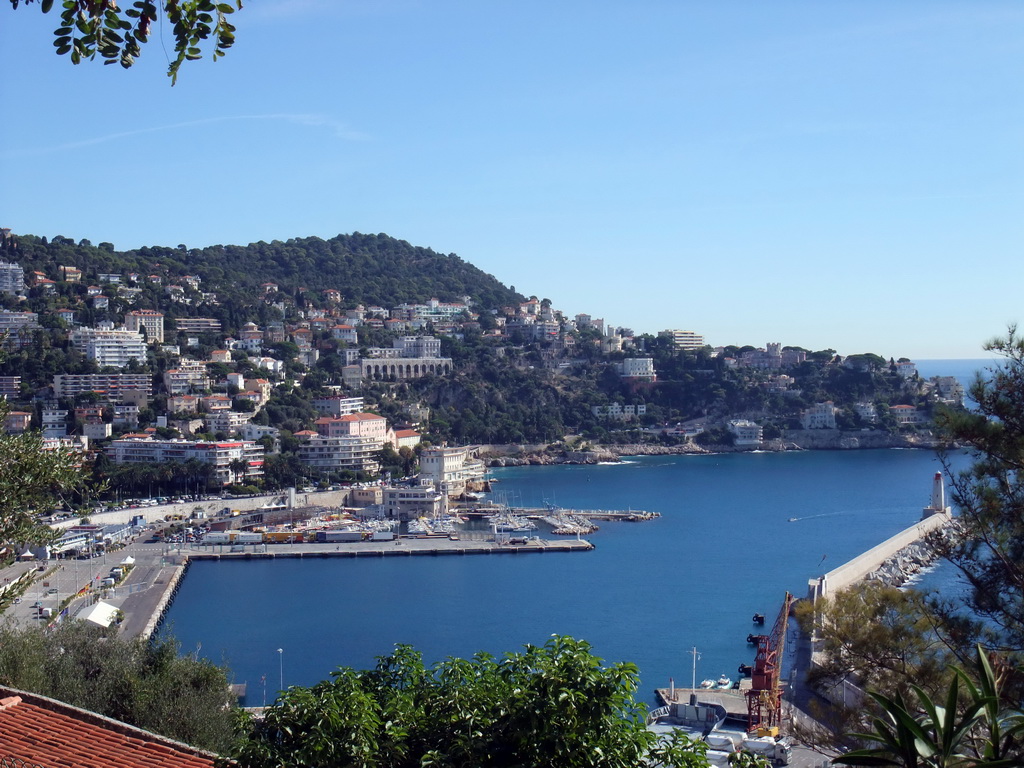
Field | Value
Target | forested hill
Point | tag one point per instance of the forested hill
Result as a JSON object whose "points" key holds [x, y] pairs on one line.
{"points": [[367, 269]]}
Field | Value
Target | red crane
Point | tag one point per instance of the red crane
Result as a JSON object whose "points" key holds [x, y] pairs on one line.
{"points": [[764, 697]]}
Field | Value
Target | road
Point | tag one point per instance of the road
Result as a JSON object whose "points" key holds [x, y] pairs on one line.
{"points": [[61, 579]]}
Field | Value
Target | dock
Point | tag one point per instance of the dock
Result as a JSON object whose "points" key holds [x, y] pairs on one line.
{"points": [[403, 547], [734, 700], [608, 515]]}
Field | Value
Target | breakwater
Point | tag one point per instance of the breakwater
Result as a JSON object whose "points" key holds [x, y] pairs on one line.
{"points": [[899, 555]]}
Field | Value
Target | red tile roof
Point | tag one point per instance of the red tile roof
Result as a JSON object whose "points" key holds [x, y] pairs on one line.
{"points": [[39, 730]]}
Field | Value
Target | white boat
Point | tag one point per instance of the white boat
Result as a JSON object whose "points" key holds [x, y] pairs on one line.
{"points": [[509, 523], [709, 683], [724, 682]]}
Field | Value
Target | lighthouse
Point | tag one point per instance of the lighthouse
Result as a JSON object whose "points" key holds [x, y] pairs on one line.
{"points": [[938, 505]]}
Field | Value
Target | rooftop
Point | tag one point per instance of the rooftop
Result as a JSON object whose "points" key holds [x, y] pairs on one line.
{"points": [[43, 731]]}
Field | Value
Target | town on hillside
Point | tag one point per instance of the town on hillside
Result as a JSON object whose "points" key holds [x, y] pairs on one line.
{"points": [[174, 381]]}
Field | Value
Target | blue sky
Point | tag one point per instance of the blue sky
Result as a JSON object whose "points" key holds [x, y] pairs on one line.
{"points": [[845, 175]]}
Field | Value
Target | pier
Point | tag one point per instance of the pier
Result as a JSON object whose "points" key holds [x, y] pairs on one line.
{"points": [[403, 547], [539, 513], [733, 700]]}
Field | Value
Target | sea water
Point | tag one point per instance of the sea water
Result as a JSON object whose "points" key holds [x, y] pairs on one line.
{"points": [[735, 533]]}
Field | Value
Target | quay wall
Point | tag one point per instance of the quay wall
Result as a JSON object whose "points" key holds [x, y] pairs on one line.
{"points": [[170, 590], [859, 567], [212, 507]]}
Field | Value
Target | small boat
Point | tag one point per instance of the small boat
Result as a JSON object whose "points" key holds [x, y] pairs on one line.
{"points": [[793, 519], [724, 682], [709, 683]]}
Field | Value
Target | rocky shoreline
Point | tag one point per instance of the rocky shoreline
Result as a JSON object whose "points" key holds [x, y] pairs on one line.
{"points": [[802, 440], [904, 565]]}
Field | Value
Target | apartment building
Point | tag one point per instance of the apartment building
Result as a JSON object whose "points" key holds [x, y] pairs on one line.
{"points": [[232, 462], [111, 386], [12, 278], [148, 321], [354, 453], [109, 347]]}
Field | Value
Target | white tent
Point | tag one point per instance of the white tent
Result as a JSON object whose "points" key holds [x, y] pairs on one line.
{"points": [[100, 613]]}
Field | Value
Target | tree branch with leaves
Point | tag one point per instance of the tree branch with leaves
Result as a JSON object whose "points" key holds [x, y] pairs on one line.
{"points": [[91, 28]]}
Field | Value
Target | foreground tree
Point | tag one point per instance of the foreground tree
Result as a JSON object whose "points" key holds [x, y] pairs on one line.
{"points": [[32, 482], [555, 705], [143, 683], [971, 726], [100, 27], [987, 544], [882, 637]]}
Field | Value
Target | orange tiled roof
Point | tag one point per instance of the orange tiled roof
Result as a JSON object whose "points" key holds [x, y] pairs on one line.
{"points": [[359, 417], [43, 731]]}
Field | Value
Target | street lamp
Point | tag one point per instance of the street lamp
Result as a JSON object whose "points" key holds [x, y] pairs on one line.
{"points": [[280, 657]]}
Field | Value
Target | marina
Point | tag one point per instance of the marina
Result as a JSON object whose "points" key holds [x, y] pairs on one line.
{"points": [[720, 552]]}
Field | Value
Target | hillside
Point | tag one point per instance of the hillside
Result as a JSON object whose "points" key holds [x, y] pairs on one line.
{"points": [[367, 269], [308, 317]]}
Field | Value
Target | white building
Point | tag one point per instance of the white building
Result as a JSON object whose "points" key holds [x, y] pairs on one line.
{"points": [[358, 454], [256, 431], [336, 405], [109, 347], [98, 431], [368, 425], [447, 468], [232, 461], [637, 368], [948, 390], [618, 411], [188, 376], [148, 320], [747, 433], [819, 416], [405, 503], [55, 422], [109, 385], [906, 369], [404, 368], [15, 321], [907, 414], [269, 364], [684, 339], [12, 278], [867, 411], [227, 422]]}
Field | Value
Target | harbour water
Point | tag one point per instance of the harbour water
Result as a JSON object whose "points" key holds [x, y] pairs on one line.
{"points": [[723, 549]]}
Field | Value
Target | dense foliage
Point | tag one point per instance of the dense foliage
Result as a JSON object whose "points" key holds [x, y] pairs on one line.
{"points": [[554, 705], [987, 546], [143, 683], [973, 724], [367, 269], [32, 482]]}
